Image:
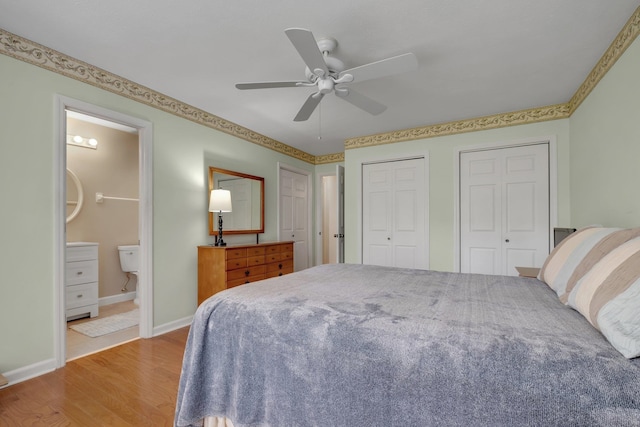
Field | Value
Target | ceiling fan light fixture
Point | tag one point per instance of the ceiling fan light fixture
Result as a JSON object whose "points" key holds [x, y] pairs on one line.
{"points": [[329, 72]]}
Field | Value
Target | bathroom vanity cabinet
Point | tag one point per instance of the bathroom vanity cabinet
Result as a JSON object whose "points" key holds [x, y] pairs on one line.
{"points": [[223, 267], [81, 280]]}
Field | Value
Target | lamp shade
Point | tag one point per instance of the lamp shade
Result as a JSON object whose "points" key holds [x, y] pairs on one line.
{"points": [[220, 201]]}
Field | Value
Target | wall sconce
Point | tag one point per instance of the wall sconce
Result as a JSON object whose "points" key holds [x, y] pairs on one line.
{"points": [[80, 141], [220, 201]]}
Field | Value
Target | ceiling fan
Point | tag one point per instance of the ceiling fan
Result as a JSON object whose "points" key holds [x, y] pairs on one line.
{"points": [[327, 73]]}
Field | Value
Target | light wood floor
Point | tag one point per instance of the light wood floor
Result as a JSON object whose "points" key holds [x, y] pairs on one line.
{"points": [[134, 384], [80, 345]]}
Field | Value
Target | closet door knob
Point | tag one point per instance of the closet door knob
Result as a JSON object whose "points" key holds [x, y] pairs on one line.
{"points": [[506, 240]]}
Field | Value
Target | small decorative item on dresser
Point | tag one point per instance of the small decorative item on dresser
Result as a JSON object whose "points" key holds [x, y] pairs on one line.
{"points": [[220, 268]]}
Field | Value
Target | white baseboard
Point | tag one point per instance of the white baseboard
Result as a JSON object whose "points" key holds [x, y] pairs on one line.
{"points": [[49, 365], [172, 326], [30, 371], [116, 298]]}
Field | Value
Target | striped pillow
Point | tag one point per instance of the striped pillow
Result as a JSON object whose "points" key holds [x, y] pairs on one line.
{"points": [[608, 296], [561, 263], [598, 247]]}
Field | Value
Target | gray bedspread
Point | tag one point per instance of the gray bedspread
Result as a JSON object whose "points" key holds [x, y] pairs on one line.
{"points": [[355, 345]]}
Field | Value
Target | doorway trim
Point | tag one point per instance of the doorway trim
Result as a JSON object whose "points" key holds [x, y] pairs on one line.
{"points": [[553, 184], [310, 195], [145, 214]]}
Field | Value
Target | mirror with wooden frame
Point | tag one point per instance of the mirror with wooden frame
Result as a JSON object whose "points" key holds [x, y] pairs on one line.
{"points": [[247, 202]]}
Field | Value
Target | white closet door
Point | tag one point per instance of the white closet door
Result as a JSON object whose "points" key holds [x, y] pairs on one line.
{"points": [[394, 230], [294, 215], [504, 209]]}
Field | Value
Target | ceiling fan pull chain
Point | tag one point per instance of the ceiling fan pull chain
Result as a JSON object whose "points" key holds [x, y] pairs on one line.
{"points": [[319, 122]]}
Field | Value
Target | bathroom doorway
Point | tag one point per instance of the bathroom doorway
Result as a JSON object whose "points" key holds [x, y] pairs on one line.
{"points": [[105, 183], [330, 217], [102, 167]]}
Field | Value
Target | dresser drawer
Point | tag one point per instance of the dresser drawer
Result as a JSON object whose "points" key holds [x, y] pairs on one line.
{"points": [[244, 281], [273, 257], [243, 273], [81, 295], [272, 249], [287, 247], [234, 253], [82, 253], [255, 251], [284, 267], [81, 272], [234, 264], [255, 260]]}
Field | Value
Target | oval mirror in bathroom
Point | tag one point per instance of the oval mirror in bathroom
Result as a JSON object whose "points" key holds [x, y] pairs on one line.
{"points": [[247, 201], [75, 195]]}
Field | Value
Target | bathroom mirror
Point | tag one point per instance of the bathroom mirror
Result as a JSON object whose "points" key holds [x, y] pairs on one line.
{"points": [[75, 193], [247, 202]]}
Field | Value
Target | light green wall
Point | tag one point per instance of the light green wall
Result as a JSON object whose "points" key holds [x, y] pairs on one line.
{"points": [[605, 149], [442, 154], [603, 138], [182, 152]]}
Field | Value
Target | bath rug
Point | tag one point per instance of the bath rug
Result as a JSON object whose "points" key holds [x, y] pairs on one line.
{"points": [[107, 325]]}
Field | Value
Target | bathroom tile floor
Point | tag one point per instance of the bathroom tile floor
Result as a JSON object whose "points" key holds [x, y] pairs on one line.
{"points": [[79, 345]]}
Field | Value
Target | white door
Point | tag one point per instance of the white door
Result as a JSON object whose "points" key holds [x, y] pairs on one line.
{"points": [[339, 236], [504, 209], [294, 215], [394, 214]]}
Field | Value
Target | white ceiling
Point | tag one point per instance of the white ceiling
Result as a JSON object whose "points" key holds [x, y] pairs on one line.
{"points": [[476, 57]]}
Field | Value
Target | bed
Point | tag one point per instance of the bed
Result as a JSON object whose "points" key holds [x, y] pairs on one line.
{"points": [[358, 345]]}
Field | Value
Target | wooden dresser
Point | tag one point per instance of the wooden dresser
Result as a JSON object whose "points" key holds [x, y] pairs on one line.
{"points": [[220, 268]]}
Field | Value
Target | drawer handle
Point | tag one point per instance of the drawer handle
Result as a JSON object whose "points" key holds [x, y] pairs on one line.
{"points": [[246, 273], [280, 266], [79, 296], [79, 273]]}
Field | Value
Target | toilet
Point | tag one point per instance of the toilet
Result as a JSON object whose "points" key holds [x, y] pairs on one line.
{"points": [[129, 264]]}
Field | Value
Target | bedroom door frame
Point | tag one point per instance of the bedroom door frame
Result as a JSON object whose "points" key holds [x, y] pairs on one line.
{"points": [[145, 214], [553, 184]]}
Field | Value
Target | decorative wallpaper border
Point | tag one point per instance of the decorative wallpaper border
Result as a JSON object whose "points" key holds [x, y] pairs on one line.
{"points": [[49, 59], [554, 112], [330, 158], [624, 39]]}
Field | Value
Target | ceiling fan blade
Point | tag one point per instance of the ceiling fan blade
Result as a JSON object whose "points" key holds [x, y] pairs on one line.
{"points": [[363, 102], [308, 107], [383, 68], [307, 47], [266, 85]]}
